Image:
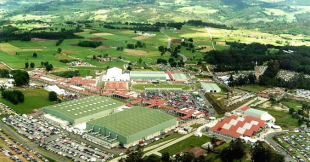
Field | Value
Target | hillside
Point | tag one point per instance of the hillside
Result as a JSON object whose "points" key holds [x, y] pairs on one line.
{"points": [[273, 16]]}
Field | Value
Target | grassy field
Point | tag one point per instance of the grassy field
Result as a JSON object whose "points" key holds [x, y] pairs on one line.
{"points": [[162, 85], [253, 88], [283, 119], [186, 144], [292, 104], [34, 98]]}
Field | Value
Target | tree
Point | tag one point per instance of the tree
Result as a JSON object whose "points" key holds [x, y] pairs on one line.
{"points": [[129, 68], [59, 50], [291, 110], [165, 157], [235, 150], [261, 153], [20, 77], [152, 158], [134, 156], [26, 65], [34, 55], [140, 61], [94, 57], [32, 65], [52, 96], [42, 63], [49, 67], [231, 82]]}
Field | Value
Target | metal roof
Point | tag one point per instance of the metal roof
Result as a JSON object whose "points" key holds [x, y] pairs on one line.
{"points": [[133, 120], [85, 106]]}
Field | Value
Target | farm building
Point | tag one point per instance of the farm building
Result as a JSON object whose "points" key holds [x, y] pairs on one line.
{"points": [[133, 125], [236, 127], [149, 75], [82, 110], [115, 74], [210, 87], [116, 85]]}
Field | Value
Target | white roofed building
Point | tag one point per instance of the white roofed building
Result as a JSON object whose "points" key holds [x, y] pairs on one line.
{"points": [[115, 74]]}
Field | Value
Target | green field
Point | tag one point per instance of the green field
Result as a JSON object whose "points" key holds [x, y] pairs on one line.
{"points": [[186, 144], [283, 119], [34, 98], [253, 88], [293, 105], [161, 85]]}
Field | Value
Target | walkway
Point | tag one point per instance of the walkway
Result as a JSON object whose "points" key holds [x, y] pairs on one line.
{"points": [[211, 38]]}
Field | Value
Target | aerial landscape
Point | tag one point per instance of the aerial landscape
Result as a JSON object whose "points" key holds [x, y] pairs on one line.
{"points": [[154, 80]]}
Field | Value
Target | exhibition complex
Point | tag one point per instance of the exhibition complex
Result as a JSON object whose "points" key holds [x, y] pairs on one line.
{"points": [[110, 122]]}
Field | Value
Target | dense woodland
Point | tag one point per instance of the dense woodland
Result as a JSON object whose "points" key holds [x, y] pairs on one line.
{"points": [[245, 56]]}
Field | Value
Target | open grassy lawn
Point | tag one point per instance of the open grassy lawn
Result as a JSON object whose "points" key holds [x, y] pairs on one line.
{"points": [[283, 119], [173, 136], [196, 125], [293, 105], [186, 144], [253, 88], [34, 98], [162, 85]]}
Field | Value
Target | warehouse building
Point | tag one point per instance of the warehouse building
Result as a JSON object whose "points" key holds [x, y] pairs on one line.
{"points": [[210, 87], [82, 110], [133, 125], [149, 75]]}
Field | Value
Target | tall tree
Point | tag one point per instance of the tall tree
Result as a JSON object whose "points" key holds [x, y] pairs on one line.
{"points": [[26, 65]]}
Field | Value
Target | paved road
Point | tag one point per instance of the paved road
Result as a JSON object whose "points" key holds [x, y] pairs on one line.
{"points": [[155, 151], [211, 38], [184, 57], [276, 146], [30, 145], [162, 30]]}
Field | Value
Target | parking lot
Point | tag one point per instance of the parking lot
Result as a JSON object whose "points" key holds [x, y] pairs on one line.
{"points": [[75, 150], [30, 128], [16, 151], [296, 144]]}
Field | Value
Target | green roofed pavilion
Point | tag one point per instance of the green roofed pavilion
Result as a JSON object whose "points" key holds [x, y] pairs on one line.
{"points": [[133, 124], [179, 76], [148, 75], [84, 109]]}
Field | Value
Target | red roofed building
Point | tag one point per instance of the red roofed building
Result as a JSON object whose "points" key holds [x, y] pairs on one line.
{"points": [[235, 126], [197, 151], [245, 108], [116, 85]]}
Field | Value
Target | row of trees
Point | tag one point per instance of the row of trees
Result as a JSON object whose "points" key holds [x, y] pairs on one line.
{"points": [[31, 65], [92, 44], [14, 96], [139, 44]]}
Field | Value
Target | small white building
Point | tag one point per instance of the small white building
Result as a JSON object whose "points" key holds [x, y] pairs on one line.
{"points": [[56, 89], [259, 114], [115, 74]]}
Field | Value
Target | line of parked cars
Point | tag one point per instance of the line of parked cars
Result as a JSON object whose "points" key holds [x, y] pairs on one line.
{"points": [[76, 151]]}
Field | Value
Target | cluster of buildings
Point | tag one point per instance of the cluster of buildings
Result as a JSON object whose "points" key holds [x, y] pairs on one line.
{"points": [[245, 123], [110, 122]]}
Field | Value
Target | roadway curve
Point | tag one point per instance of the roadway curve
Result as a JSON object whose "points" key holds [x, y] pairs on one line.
{"points": [[269, 140]]}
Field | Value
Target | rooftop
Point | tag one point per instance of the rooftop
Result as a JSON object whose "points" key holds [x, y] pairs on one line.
{"points": [[133, 120], [255, 111], [84, 107], [237, 126]]}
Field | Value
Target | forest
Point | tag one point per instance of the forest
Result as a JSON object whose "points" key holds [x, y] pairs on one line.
{"points": [[245, 56]]}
